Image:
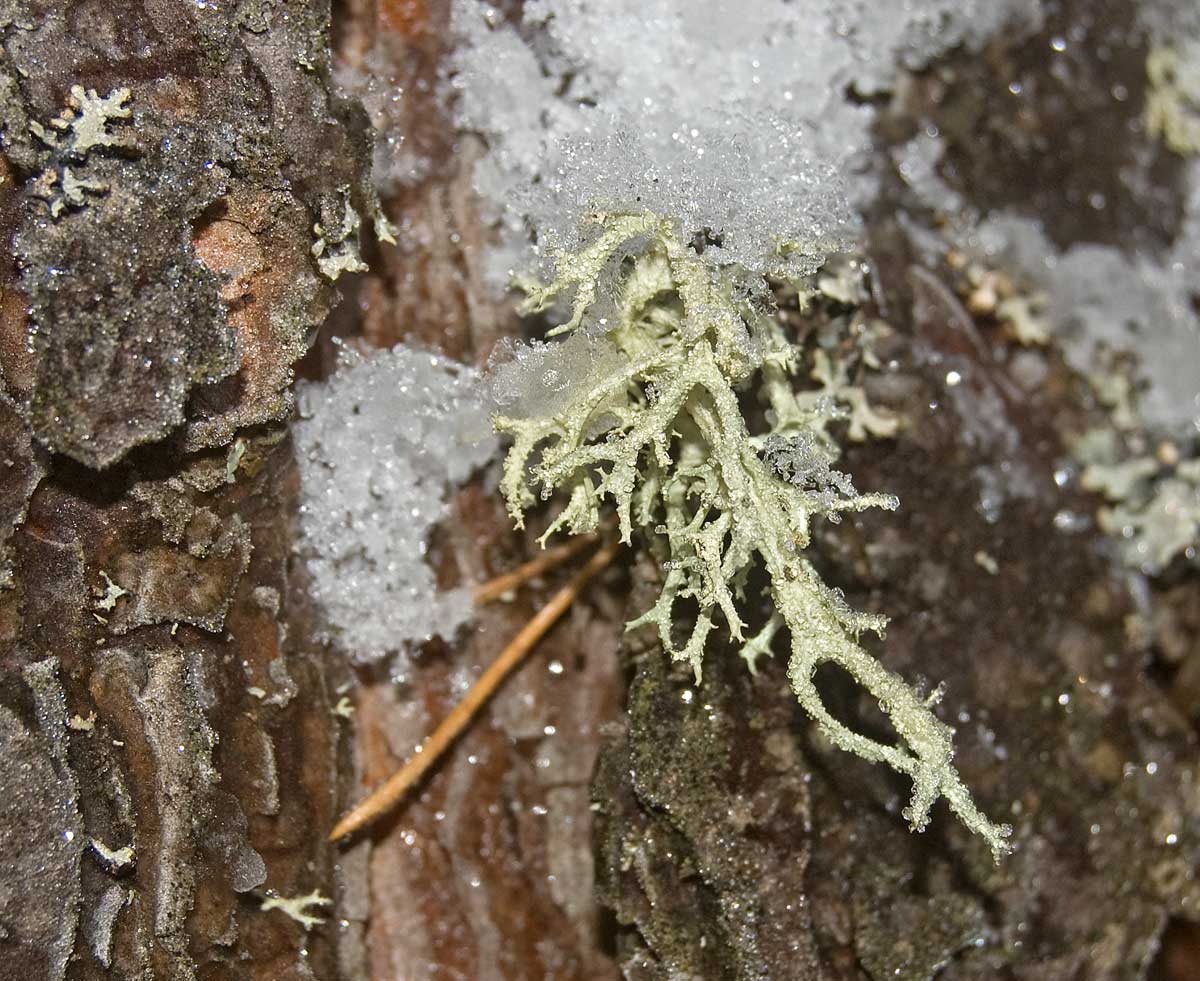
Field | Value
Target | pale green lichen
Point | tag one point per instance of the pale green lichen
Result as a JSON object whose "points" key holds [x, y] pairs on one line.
{"points": [[1155, 508], [1024, 315], [1173, 99], [71, 136], [107, 598], [233, 460], [81, 723], [296, 907], [656, 429], [113, 858], [1153, 498], [336, 247], [84, 123]]}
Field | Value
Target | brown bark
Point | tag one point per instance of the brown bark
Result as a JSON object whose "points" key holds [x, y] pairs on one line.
{"points": [[486, 872], [170, 758]]}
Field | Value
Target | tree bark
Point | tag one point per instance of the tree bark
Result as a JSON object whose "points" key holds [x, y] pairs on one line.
{"points": [[170, 755], [175, 741]]}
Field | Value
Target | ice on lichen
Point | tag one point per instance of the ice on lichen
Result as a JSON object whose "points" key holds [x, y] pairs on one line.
{"points": [[737, 119], [659, 433], [378, 445], [539, 377], [802, 459]]}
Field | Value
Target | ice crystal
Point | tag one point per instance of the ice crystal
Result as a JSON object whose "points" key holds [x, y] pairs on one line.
{"points": [[395, 164]]}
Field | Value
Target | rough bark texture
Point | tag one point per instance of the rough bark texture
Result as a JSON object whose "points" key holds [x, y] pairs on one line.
{"points": [[487, 871], [169, 755]]}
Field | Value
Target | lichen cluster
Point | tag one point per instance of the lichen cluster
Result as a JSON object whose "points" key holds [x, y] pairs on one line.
{"points": [[647, 416], [1153, 514]]}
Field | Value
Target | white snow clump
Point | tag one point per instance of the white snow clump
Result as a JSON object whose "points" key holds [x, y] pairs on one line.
{"points": [[378, 445], [739, 118]]}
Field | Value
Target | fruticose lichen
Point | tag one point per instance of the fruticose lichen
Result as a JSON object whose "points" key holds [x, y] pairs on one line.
{"points": [[296, 907], [336, 247], [646, 414]]}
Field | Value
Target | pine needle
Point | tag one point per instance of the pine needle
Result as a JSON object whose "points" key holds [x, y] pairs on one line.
{"points": [[389, 794], [548, 559]]}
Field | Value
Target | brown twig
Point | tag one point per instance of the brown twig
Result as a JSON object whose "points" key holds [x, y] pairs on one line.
{"points": [[381, 800], [548, 559]]}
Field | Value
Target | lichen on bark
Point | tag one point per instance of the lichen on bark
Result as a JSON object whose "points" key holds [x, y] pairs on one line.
{"points": [[163, 167], [658, 431], [229, 144]]}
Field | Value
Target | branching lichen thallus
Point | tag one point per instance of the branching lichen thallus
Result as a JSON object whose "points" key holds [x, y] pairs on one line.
{"points": [[647, 417]]}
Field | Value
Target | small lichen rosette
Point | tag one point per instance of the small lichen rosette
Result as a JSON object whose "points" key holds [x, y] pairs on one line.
{"points": [[645, 415]]}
